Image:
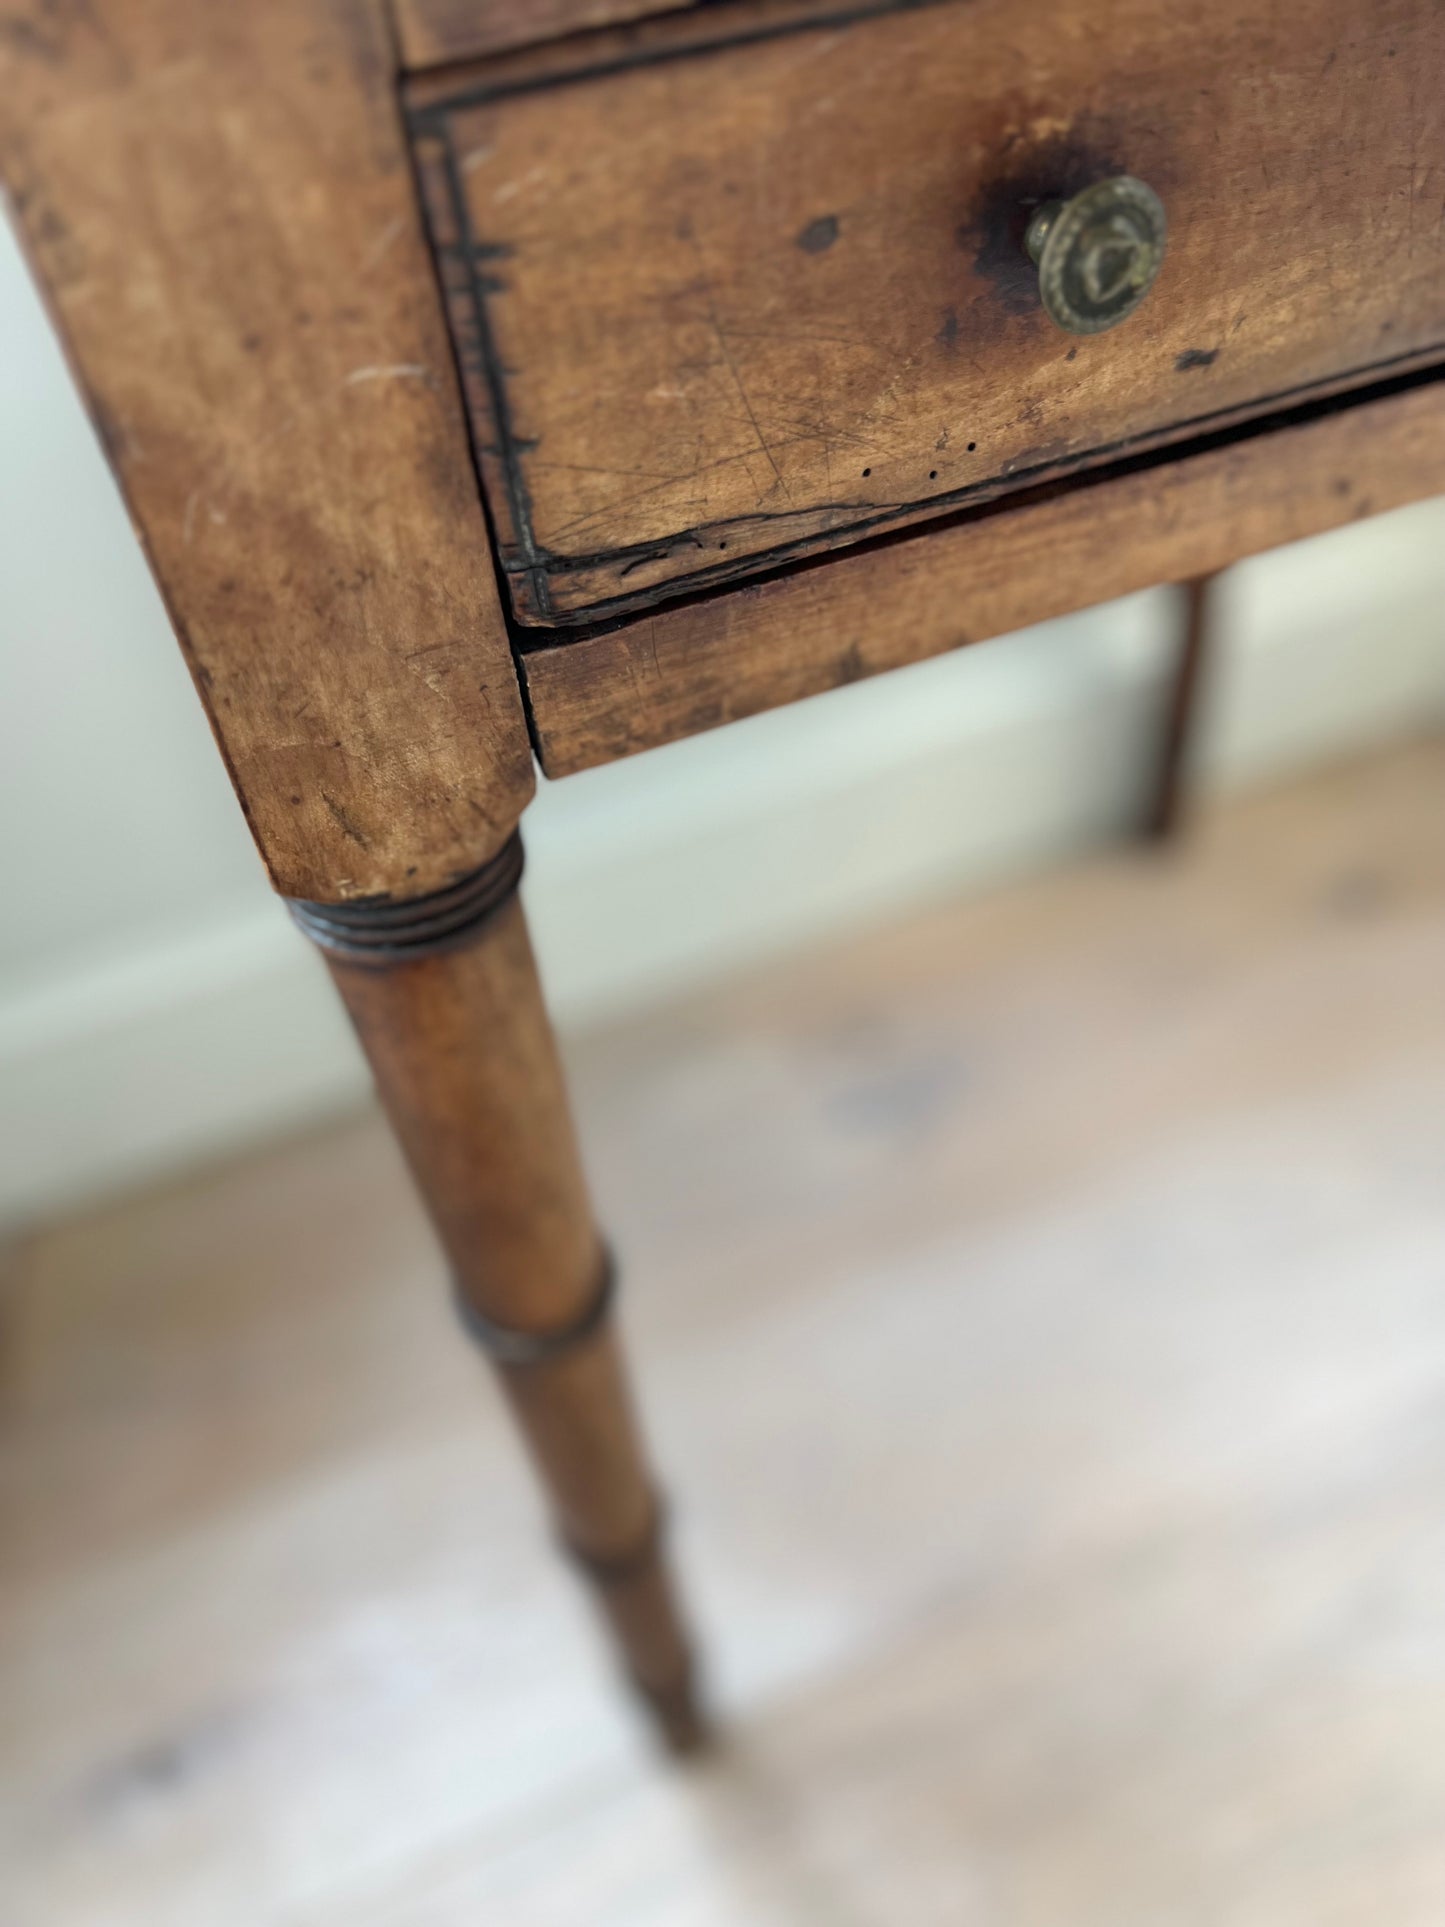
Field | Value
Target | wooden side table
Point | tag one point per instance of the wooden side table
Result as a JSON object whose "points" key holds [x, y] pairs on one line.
{"points": [[781, 342]]}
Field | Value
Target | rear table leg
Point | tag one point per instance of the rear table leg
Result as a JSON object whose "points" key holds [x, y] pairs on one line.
{"points": [[1167, 801]]}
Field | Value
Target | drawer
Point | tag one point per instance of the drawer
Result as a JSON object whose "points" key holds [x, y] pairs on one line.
{"points": [[724, 299]]}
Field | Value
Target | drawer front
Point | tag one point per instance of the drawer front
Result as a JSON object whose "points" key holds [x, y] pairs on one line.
{"points": [[719, 305]]}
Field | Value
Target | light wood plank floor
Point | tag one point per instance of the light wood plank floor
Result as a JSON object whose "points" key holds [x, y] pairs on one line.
{"points": [[1041, 1315]]}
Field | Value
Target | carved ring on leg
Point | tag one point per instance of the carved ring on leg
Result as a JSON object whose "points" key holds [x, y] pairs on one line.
{"points": [[505, 1345], [632, 1583], [390, 932], [444, 995]]}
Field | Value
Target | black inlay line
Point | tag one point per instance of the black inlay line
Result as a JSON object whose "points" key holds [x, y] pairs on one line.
{"points": [[606, 618], [1194, 429], [435, 120], [509, 449], [482, 92]]}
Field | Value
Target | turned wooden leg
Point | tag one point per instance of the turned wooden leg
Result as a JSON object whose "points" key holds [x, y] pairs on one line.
{"points": [[1165, 808], [443, 991]]}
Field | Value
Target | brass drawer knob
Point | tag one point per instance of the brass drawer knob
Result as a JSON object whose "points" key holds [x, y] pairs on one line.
{"points": [[1097, 255]]}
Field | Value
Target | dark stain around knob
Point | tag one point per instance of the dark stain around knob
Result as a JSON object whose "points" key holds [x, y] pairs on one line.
{"points": [[1196, 358], [1031, 170], [819, 235]]}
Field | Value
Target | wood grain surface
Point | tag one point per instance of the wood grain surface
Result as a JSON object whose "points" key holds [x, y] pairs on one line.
{"points": [[1040, 1303], [681, 670], [715, 304], [432, 32], [466, 1065], [219, 205]]}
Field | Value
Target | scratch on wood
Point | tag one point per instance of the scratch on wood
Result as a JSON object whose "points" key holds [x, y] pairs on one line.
{"points": [[686, 233], [188, 518], [342, 821], [391, 371], [383, 242]]}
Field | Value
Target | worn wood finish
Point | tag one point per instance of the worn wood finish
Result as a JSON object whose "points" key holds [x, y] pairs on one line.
{"points": [[694, 26], [691, 668], [220, 207], [465, 1062], [1164, 810], [431, 33], [799, 306]]}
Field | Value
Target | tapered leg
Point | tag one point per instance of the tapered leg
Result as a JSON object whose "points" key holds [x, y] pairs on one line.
{"points": [[1164, 810], [443, 992]]}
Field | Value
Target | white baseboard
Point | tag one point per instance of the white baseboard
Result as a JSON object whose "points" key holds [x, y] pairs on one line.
{"points": [[648, 878], [172, 1053]]}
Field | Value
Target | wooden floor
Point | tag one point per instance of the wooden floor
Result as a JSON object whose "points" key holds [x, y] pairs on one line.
{"points": [[1041, 1311]]}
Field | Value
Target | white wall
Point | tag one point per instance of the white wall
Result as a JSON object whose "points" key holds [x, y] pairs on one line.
{"points": [[157, 1007]]}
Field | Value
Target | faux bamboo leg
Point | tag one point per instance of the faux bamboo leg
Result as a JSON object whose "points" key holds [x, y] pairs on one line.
{"points": [[443, 992], [1167, 801]]}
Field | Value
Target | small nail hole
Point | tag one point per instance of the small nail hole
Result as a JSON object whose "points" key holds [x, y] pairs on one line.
{"points": [[972, 446], [867, 471], [933, 475]]}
